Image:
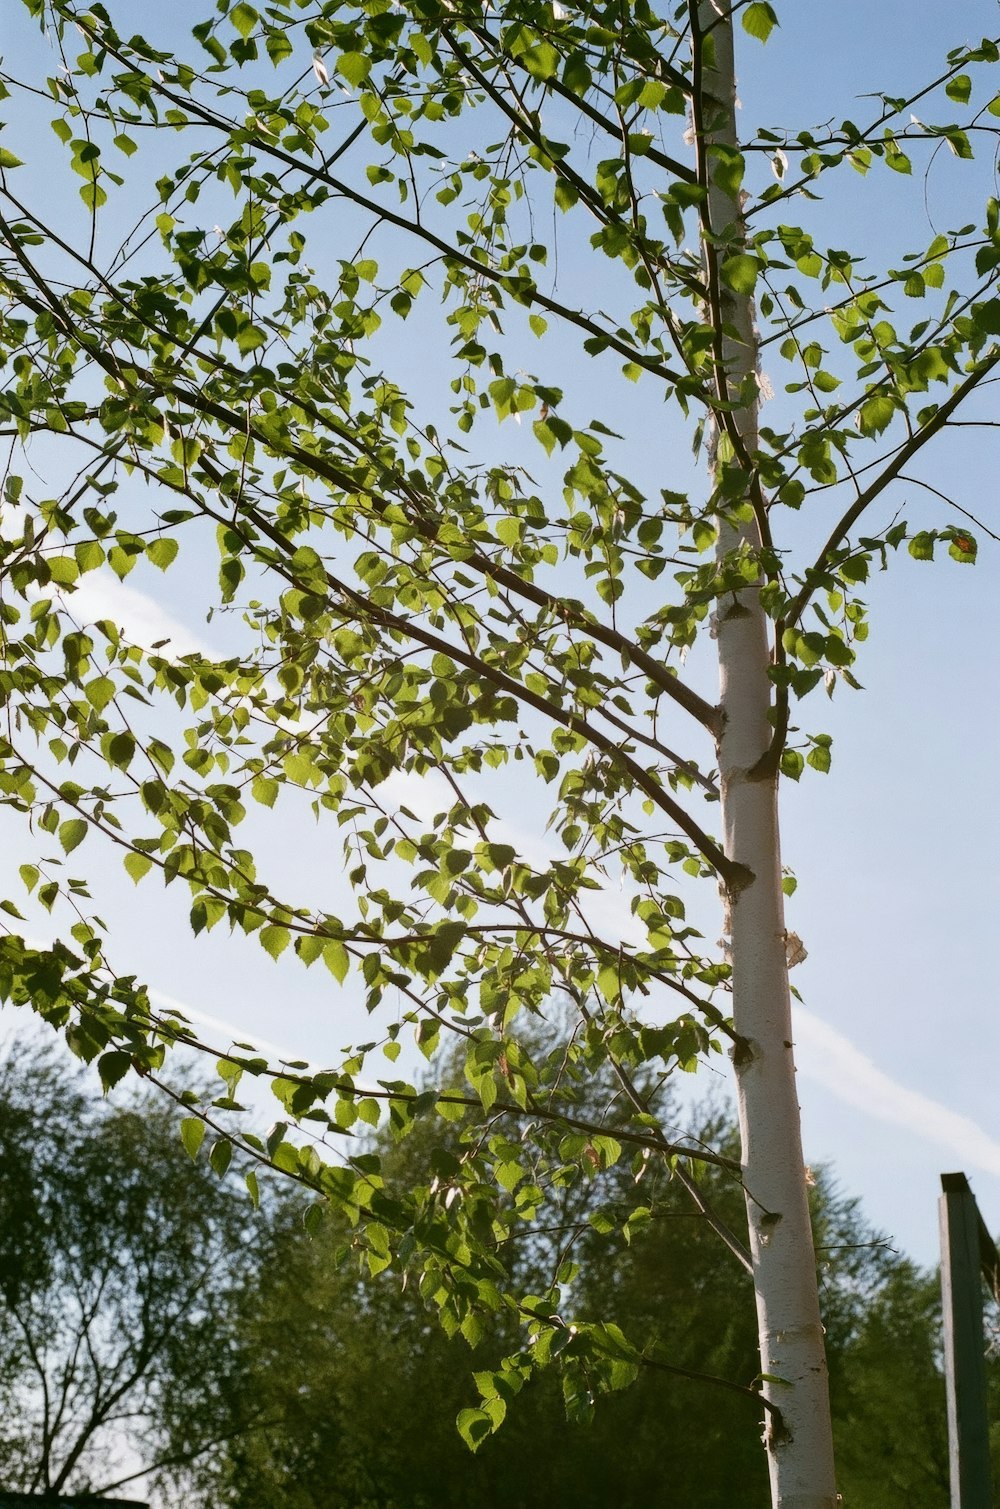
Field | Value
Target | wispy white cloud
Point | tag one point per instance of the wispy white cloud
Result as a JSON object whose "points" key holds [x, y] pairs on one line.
{"points": [[100, 594], [831, 1059], [229, 1031]]}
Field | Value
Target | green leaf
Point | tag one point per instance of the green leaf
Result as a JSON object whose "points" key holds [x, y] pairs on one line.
{"points": [[63, 570], [987, 316], [100, 692], [336, 959], [959, 88], [609, 982], [93, 196], [72, 833], [792, 764], [220, 1156], [565, 193], [113, 1067], [278, 47], [120, 749], [354, 67], [759, 20], [474, 1425], [162, 552], [274, 940], [89, 554], [819, 757], [508, 531], [959, 142], [8, 160], [876, 414], [245, 19], [250, 339], [192, 1135], [727, 168], [309, 948], [137, 865], [740, 272]]}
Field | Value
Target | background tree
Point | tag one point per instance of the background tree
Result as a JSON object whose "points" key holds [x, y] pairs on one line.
{"points": [[419, 603], [117, 1259], [360, 1386], [294, 1378]]}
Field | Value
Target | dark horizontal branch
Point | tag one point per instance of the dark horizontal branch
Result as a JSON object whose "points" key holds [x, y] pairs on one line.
{"points": [[978, 523], [657, 673], [599, 946], [755, 1394], [687, 767], [642, 1359], [861, 139], [331, 1085]]}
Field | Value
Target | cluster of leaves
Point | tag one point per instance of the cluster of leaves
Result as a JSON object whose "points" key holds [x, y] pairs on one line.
{"points": [[222, 380], [243, 1360]]}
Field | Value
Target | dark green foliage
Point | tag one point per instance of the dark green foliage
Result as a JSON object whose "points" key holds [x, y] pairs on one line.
{"points": [[364, 1388], [889, 1396], [262, 296], [117, 1256], [323, 1389]]}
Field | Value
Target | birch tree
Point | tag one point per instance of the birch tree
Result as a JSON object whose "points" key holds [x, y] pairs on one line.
{"points": [[375, 230]]}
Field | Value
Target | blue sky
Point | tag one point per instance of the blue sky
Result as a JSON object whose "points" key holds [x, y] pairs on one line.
{"points": [[895, 850]]}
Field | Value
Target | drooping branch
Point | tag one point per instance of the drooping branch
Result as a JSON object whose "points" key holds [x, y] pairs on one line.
{"points": [[421, 516], [911, 447], [528, 295]]}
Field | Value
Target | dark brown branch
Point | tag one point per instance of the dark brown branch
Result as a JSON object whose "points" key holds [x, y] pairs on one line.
{"points": [[330, 1085], [555, 86], [383, 213], [657, 673], [889, 473]]}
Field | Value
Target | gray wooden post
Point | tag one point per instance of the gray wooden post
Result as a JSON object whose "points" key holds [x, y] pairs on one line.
{"points": [[964, 1348]]}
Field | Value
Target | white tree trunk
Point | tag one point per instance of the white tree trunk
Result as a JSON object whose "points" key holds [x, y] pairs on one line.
{"points": [[799, 1443]]}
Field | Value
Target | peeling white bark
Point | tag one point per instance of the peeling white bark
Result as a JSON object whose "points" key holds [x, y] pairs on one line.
{"points": [[799, 1442]]}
